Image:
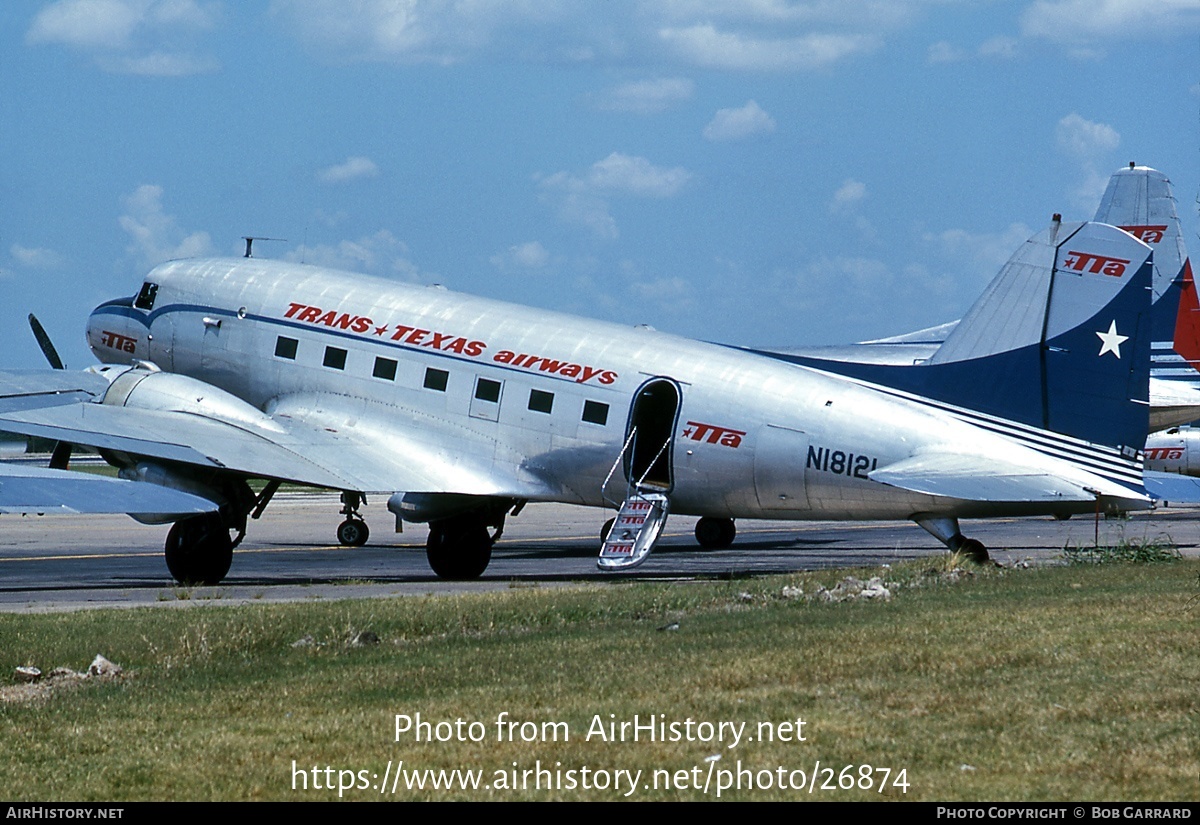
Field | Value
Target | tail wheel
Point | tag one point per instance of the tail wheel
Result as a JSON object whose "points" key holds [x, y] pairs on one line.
{"points": [[353, 532], [198, 550], [974, 550]]}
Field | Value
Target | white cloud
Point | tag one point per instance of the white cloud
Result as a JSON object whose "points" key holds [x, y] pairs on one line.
{"points": [[584, 199], [1079, 21], [1085, 138], [144, 37], [647, 96], [159, 64], [626, 174], [1090, 144], [351, 169], [740, 123], [522, 257], [106, 24], [770, 35], [378, 254], [703, 45], [978, 255], [944, 52], [157, 237], [999, 47], [848, 195], [36, 257]]}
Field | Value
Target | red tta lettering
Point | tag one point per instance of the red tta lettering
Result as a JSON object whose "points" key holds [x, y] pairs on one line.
{"points": [[1147, 234], [1095, 264], [711, 434], [115, 341]]}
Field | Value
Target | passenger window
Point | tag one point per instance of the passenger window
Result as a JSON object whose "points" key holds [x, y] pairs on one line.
{"points": [[436, 379], [541, 401], [595, 413], [487, 390], [145, 298], [285, 347], [335, 358], [385, 368]]}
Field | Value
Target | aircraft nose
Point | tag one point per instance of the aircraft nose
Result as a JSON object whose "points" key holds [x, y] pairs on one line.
{"points": [[114, 335]]}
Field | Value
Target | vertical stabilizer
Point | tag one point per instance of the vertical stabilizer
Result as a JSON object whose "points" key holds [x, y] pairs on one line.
{"points": [[1140, 201], [1061, 337]]}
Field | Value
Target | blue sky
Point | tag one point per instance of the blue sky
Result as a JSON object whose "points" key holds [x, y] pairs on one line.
{"points": [[762, 172]]}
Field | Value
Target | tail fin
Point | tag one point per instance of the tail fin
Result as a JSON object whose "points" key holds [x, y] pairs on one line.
{"points": [[1139, 200], [1061, 338], [1059, 341]]}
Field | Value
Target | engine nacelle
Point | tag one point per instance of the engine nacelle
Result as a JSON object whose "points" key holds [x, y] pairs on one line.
{"points": [[150, 389], [165, 477]]}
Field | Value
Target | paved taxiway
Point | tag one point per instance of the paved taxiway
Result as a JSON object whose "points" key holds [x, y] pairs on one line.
{"points": [[71, 562]]}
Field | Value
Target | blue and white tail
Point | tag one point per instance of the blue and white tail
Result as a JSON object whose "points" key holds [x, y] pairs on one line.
{"points": [[1055, 352]]}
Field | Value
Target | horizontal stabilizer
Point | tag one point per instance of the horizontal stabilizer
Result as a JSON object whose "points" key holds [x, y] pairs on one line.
{"points": [[988, 479]]}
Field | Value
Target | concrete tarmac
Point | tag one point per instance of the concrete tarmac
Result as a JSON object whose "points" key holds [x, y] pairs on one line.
{"points": [[58, 563]]}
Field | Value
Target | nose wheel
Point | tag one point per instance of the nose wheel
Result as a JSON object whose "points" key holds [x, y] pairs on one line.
{"points": [[353, 532]]}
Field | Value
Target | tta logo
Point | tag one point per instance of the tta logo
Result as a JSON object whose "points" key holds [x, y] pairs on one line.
{"points": [[1146, 234], [1095, 264], [115, 341], [712, 434], [1164, 453]]}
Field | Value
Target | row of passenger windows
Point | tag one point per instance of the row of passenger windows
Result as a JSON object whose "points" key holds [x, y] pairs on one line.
{"points": [[594, 412]]}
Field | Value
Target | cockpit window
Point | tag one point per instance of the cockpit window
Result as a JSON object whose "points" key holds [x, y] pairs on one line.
{"points": [[145, 298]]}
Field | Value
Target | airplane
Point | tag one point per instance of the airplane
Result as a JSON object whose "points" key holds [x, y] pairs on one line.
{"points": [[1139, 200], [462, 410]]}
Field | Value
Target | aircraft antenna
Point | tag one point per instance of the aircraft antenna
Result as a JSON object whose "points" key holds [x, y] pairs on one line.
{"points": [[250, 239]]}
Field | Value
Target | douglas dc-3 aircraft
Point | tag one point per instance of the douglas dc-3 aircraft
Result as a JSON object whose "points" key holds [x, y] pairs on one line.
{"points": [[465, 409]]}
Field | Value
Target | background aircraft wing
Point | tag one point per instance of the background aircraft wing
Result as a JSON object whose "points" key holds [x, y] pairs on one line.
{"points": [[42, 491], [1171, 487]]}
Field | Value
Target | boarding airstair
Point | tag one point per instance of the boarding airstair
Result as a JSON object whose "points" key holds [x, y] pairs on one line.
{"points": [[640, 518]]}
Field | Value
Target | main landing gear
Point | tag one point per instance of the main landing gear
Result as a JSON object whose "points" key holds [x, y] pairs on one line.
{"points": [[715, 533], [460, 547], [353, 532], [199, 550], [945, 529]]}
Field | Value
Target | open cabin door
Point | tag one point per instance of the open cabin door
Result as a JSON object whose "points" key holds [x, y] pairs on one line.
{"points": [[649, 474], [651, 430]]}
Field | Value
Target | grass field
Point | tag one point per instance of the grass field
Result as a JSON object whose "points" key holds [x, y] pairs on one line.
{"points": [[1076, 682]]}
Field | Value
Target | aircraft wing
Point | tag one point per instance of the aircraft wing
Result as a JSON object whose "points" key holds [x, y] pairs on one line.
{"points": [[1171, 487], [323, 442], [42, 491], [991, 479]]}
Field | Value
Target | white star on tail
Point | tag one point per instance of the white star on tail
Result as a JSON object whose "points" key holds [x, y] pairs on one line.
{"points": [[1110, 341]]}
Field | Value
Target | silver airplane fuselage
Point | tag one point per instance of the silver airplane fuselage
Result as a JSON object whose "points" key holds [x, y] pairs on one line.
{"points": [[541, 404]]}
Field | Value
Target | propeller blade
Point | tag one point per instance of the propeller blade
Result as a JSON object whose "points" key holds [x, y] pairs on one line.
{"points": [[61, 456], [43, 340]]}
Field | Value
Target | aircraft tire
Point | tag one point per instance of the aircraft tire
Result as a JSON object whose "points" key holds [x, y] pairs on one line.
{"points": [[715, 533], [353, 532], [459, 549], [198, 550], [606, 529], [974, 550]]}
